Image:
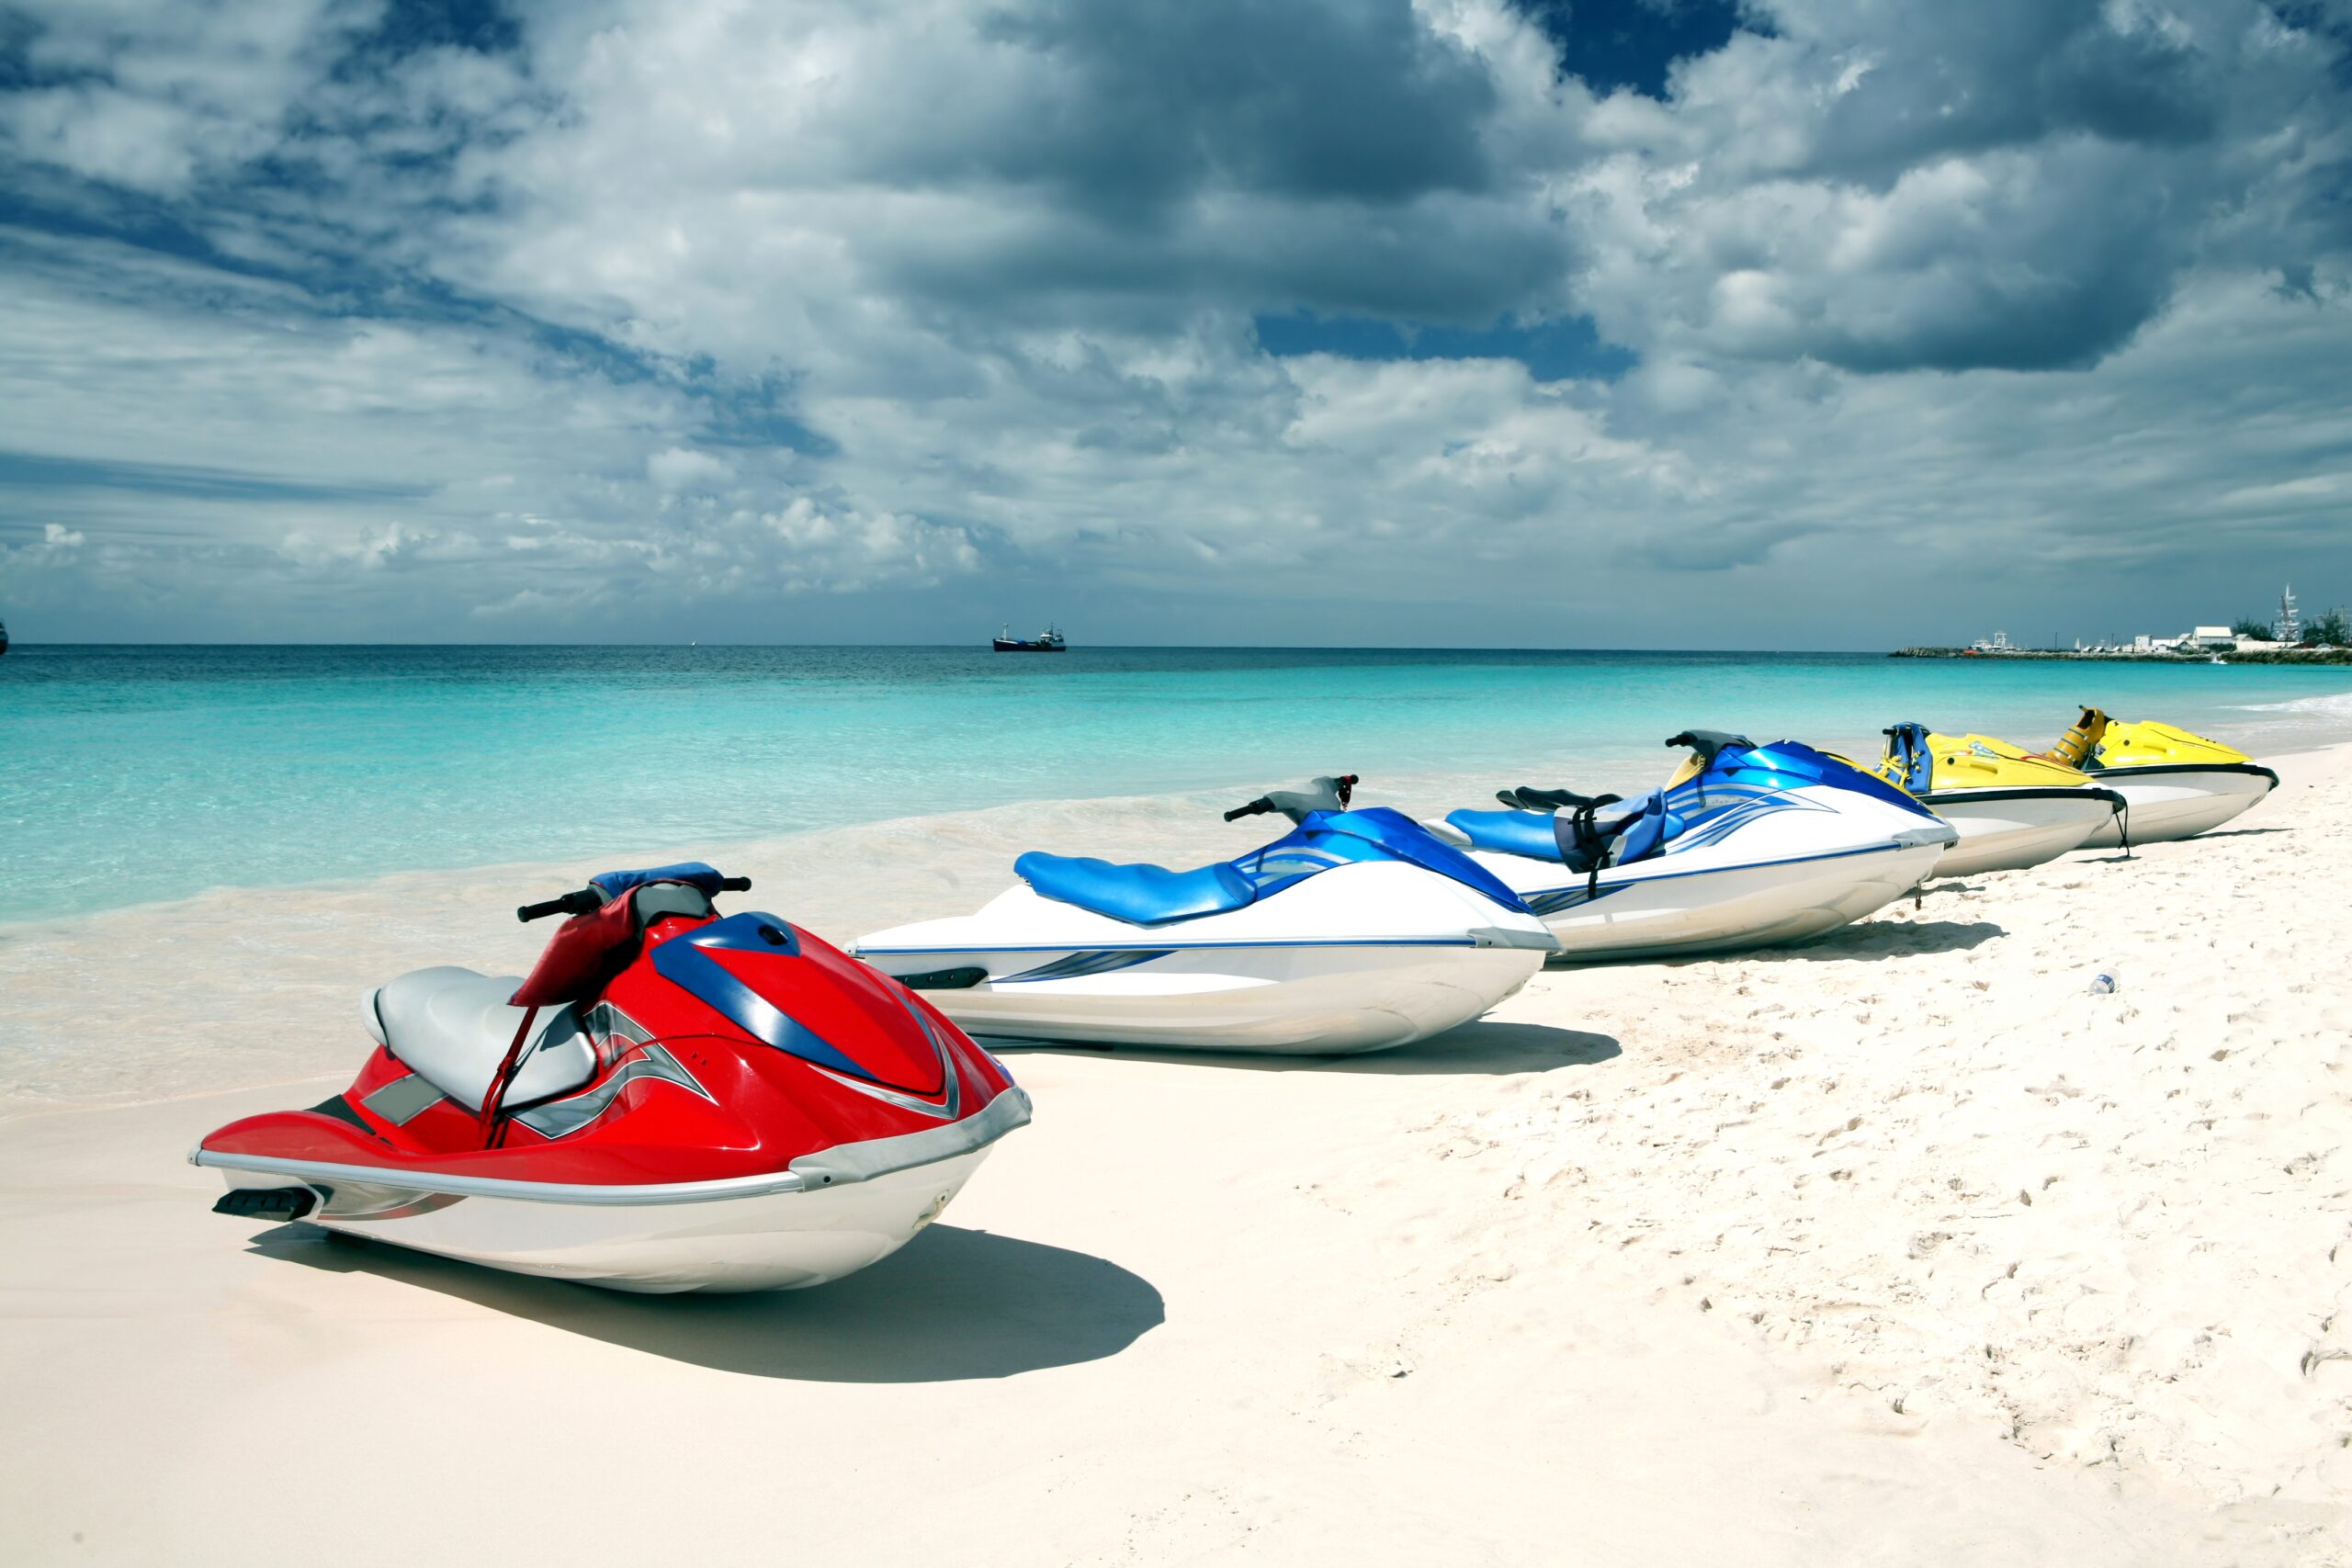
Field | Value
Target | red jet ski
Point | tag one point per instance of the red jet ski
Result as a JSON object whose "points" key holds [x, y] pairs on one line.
{"points": [[673, 1100]]}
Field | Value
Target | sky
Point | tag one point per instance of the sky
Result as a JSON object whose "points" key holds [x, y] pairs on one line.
{"points": [[1647, 323]]}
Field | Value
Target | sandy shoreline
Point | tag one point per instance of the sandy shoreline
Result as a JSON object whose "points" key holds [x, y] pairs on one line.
{"points": [[1898, 1248], [262, 979]]}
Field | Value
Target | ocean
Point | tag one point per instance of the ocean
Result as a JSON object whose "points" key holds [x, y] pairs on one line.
{"points": [[132, 774], [207, 854]]}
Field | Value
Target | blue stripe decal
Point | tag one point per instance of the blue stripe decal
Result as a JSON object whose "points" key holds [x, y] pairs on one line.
{"points": [[1097, 961], [1608, 886], [1158, 951], [686, 962], [1563, 899]]}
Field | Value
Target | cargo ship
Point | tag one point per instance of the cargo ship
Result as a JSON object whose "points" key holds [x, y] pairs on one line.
{"points": [[1047, 641]]}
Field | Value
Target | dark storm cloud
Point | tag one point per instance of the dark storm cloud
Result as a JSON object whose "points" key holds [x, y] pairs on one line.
{"points": [[1353, 100], [2021, 185], [1444, 259], [1994, 73], [2053, 271]]}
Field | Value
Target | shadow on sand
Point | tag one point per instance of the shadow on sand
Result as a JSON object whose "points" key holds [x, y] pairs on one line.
{"points": [[2237, 833], [2118, 857], [1480, 1047], [952, 1304], [1882, 939]]}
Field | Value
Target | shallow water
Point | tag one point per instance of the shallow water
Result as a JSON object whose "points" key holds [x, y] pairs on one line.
{"points": [[131, 774], [210, 854]]}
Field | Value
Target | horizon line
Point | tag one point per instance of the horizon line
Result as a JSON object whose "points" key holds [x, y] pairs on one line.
{"points": [[17, 645]]}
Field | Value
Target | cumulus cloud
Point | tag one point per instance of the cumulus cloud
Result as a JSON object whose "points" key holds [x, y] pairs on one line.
{"points": [[349, 317], [676, 468]]}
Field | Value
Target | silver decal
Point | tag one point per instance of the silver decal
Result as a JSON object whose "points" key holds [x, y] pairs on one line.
{"points": [[841, 1164], [370, 1201], [402, 1101], [562, 1118], [948, 1072]]}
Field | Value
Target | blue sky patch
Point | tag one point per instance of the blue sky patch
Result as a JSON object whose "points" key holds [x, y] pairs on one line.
{"points": [[1631, 43]]}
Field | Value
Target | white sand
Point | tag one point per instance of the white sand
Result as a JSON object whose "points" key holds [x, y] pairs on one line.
{"points": [[1899, 1248]]}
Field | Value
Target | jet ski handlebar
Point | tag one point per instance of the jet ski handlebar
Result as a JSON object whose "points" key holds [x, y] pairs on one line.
{"points": [[585, 901], [588, 900], [1328, 794], [1707, 743]]}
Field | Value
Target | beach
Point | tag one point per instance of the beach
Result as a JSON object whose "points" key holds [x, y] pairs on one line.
{"points": [[587, 588], [1901, 1246]]}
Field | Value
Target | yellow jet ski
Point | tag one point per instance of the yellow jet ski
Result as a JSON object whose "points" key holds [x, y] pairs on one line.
{"points": [[2011, 810], [2173, 784]]}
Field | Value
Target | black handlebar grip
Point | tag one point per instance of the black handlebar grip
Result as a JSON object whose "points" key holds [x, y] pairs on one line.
{"points": [[1256, 807], [580, 903], [734, 884]]}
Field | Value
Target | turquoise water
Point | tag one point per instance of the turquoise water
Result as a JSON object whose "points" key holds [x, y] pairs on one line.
{"points": [[131, 774]]}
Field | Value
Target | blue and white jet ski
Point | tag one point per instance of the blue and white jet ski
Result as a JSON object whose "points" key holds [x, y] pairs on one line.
{"points": [[1357, 932], [1745, 846]]}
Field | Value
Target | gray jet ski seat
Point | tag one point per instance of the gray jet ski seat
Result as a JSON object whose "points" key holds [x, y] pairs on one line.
{"points": [[452, 1027]]}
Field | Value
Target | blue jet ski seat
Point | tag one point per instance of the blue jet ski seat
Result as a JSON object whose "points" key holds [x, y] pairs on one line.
{"points": [[1139, 895], [1525, 833], [1621, 832]]}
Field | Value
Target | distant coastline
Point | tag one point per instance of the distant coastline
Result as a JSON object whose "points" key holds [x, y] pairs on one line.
{"points": [[2224, 656]]}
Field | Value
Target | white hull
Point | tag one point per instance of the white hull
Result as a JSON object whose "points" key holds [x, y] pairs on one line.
{"points": [[2008, 829], [1323, 1001], [822, 1220], [1786, 866], [2166, 802], [1361, 957], [1691, 912]]}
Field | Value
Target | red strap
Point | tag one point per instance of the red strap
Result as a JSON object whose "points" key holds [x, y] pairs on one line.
{"points": [[486, 1126]]}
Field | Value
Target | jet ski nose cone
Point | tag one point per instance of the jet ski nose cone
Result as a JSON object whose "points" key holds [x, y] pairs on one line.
{"points": [[1535, 937]]}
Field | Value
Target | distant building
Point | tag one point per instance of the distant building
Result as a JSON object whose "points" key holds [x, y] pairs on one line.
{"points": [[1998, 643], [2211, 636]]}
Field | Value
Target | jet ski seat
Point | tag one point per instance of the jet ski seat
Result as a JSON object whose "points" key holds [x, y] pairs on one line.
{"points": [[452, 1027], [1525, 833], [1616, 832], [1139, 895]]}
